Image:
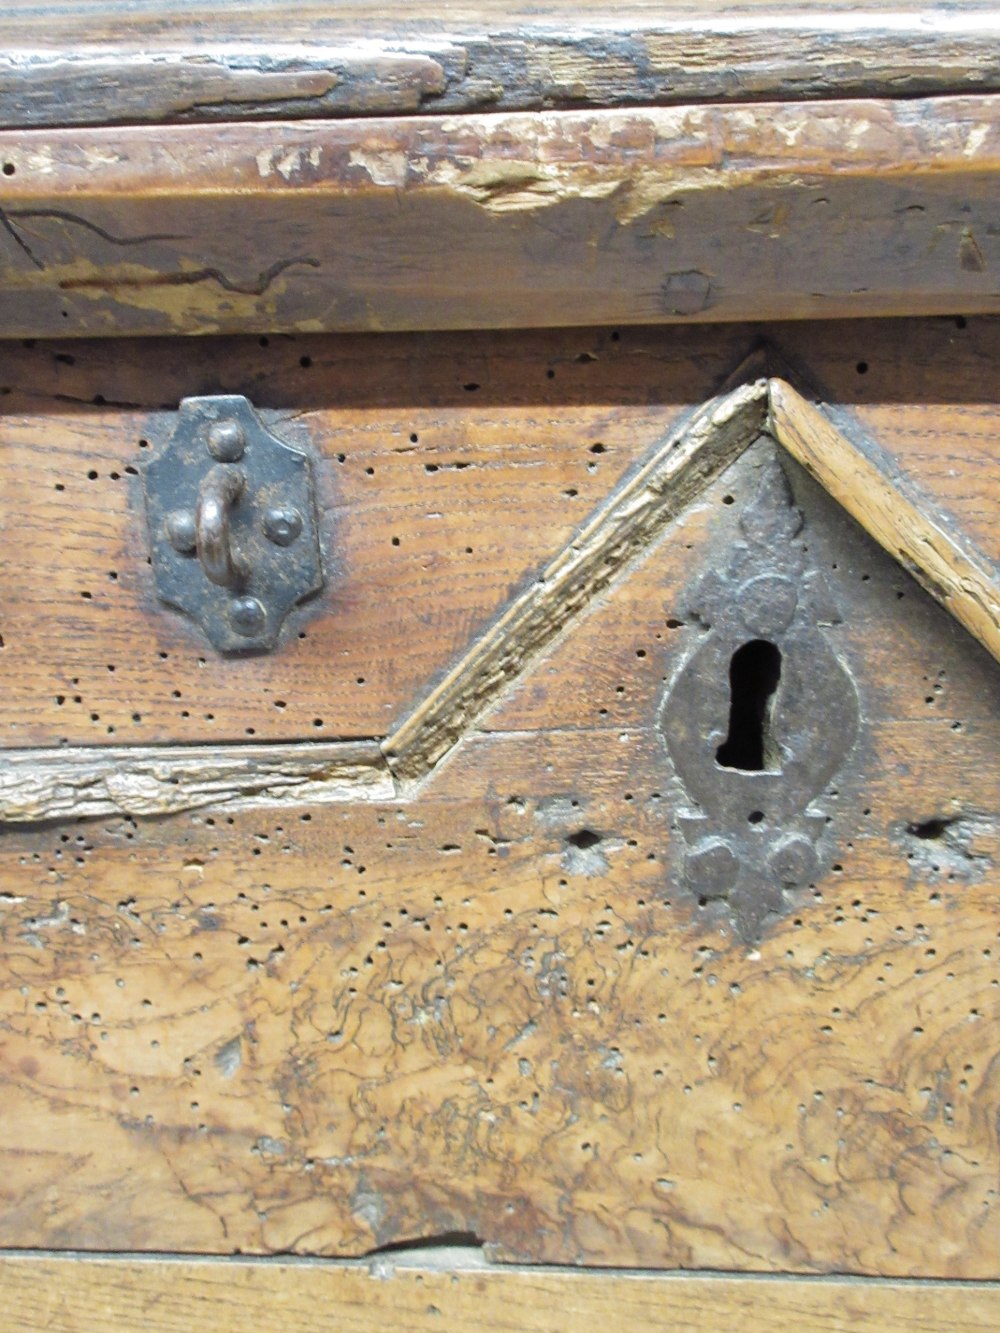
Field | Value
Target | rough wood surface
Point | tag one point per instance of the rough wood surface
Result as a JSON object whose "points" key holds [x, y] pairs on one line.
{"points": [[174, 1295], [77, 64], [619, 532], [948, 566], [44, 785], [453, 471], [493, 1006], [688, 213]]}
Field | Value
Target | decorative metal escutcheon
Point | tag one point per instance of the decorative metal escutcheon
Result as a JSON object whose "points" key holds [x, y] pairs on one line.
{"points": [[761, 716], [232, 523]]}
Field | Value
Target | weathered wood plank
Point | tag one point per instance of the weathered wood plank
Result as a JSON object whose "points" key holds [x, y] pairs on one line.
{"points": [[690, 213], [443, 486], [494, 1005], [173, 1295], [45, 785], [74, 64], [428, 541]]}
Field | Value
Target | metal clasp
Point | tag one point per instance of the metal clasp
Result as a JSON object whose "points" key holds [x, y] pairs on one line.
{"points": [[232, 523]]}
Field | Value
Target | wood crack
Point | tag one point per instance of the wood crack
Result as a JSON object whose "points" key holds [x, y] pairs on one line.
{"points": [[256, 288]]}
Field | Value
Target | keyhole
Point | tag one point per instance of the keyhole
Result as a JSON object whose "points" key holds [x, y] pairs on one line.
{"points": [[754, 673]]}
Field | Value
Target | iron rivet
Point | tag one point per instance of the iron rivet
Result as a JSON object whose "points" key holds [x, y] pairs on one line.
{"points": [[181, 530], [282, 526], [711, 867], [767, 604], [247, 616], [226, 441], [794, 860]]}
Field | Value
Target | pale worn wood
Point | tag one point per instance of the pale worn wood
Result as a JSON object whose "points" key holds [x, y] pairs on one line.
{"points": [[949, 567], [492, 1007], [689, 213], [73, 64], [173, 1295], [42, 785]]}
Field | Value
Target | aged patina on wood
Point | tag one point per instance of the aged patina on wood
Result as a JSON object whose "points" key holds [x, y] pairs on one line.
{"points": [[430, 930], [692, 213], [77, 1295], [490, 1001], [453, 522], [65, 63]]}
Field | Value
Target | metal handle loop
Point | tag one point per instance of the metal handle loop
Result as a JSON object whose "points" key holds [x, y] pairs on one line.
{"points": [[219, 491]]}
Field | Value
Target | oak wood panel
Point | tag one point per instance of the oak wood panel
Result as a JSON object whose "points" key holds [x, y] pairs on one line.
{"points": [[688, 213], [352, 1026], [519, 439], [73, 64], [172, 1295]]}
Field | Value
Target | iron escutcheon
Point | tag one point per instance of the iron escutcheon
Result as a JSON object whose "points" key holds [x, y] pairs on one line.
{"points": [[232, 523]]}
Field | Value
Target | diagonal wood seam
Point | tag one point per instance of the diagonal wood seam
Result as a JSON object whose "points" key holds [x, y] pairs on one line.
{"points": [[89, 782]]}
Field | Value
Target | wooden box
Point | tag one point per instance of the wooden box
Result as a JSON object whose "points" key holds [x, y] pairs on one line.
{"points": [[592, 889]]}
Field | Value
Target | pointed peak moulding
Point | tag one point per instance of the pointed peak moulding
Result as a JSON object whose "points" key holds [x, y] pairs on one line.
{"points": [[37, 785], [855, 473]]}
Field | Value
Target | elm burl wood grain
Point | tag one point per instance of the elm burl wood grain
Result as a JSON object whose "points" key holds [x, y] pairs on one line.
{"points": [[495, 1009], [76, 64], [673, 214], [453, 468]]}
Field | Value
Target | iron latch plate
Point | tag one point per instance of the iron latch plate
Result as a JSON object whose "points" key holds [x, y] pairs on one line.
{"points": [[232, 523]]}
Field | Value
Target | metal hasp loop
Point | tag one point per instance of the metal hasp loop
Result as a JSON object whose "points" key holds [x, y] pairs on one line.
{"points": [[218, 492], [233, 533]]}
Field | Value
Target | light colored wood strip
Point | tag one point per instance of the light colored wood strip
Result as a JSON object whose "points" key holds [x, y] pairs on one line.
{"points": [[926, 543], [690, 457], [87, 782], [78, 1294]]}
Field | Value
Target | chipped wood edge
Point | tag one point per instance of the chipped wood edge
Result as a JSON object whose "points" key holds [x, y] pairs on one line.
{"points": [[923, 541], [502, 61], [691, 456], [172, 1294], [271, 226], [91, 782]]}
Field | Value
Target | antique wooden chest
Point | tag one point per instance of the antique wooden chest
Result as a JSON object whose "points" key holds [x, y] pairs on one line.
{"points": [[500, 630]]}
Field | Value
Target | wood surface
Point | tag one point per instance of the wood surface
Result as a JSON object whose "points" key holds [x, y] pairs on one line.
{"points": [[77, 63], [173, 1295], [491, 1006], [939, 558], [672, 214], [87, 782], [429, 540]]}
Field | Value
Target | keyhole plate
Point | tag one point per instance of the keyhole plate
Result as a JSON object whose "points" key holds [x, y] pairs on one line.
{"points": [[760, 717]]}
